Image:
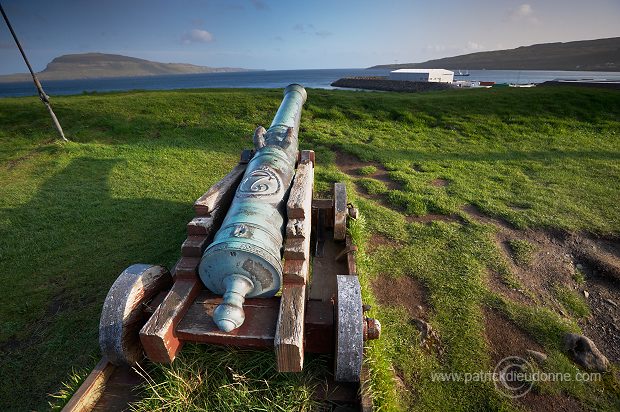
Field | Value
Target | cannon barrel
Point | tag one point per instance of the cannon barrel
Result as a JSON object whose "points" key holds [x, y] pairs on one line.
{"points": [[245, 259]]}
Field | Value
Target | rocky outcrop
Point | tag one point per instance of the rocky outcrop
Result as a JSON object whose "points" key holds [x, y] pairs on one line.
{"points": [[585, 353]]}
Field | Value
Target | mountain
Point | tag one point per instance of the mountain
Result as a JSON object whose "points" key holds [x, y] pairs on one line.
{"points": [[98, 65], [594, 55]]}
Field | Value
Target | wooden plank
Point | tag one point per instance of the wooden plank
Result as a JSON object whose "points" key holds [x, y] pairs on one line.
{"points": [[201, 226], [186, 268], [158, 335], [296, 271], [307, 155], [289, 339], [351, 256], [323, 203], [297, 248], [319, 327], [258, 330], [299, 202], [349, 248], [220, 194], [340, 211], [194, 246], [89, 392], [298, 228], [325, 268], [365, 390], [119, 390], [327, 206]]}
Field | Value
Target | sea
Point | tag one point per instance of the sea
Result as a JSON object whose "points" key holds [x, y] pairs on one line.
{"points": [[320, 79]]}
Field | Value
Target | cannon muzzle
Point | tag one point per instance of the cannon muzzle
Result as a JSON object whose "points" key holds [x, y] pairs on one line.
{"points": [[244, 259]]}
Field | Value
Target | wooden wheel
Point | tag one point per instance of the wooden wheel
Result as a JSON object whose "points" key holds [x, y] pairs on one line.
{"points": [[122, 314], [349, 330]]}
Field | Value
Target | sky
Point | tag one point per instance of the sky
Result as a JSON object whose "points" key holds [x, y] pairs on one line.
{"points": [[265, 34]]}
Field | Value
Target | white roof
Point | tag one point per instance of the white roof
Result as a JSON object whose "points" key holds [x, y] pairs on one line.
{"points": [[421, 71]]}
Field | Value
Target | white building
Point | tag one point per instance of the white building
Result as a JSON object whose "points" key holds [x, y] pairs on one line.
{"points": [[423, 75]]}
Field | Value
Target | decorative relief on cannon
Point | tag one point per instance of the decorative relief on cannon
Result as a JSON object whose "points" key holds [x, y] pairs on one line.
{"points": [[260, 182]]}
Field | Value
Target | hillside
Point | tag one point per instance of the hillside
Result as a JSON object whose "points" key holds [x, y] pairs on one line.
{"points": [[594, 55], [98, 65]]}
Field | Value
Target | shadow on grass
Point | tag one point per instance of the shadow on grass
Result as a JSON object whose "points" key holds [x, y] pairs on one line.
{"points": [[60, 252], [539, 103], [508, 155]]}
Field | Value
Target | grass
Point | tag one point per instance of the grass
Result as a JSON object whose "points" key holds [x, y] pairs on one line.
{"points": [[522, 251], [572, 301], [372, 186], [73, 216], [367, 170], [579, 276], [226, 379]]}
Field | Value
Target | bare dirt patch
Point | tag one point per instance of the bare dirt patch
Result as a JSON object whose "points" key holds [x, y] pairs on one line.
{"points": [[496, 284], [603, 326], [440, 183], [476, 214], [505, 338], [584, 264], [376, 241], [350, 164], [549, 403], [402, 291]]}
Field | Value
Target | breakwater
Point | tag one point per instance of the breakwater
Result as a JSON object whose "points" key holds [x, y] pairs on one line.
{"points": [[384, 84]]}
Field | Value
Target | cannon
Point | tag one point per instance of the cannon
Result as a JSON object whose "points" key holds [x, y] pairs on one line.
{"points": [[244, 258], [243, 279]]}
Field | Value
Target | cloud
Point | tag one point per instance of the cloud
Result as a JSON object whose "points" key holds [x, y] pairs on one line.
{"points": [[473, 46], [323, 33], [259, 4], [303, 28], [196, 36], [437, 48], [523, 13], [310, 29], [443, 50]]}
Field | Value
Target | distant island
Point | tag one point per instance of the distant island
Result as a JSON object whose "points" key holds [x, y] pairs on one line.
{"points": [[100, 65], [586, 55]]}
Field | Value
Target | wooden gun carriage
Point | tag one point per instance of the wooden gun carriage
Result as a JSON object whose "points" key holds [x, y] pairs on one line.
{"points": [[150, 312]]}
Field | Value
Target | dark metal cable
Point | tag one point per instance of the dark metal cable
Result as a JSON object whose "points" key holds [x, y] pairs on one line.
{"points": [[44, 97]]}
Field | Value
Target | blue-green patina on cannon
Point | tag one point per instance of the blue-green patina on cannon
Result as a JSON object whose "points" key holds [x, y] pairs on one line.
{"points": [[245, 259]]}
